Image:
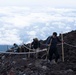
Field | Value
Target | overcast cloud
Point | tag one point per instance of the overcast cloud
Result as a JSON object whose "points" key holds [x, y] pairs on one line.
{"points": [[21, 21], [41, 3]]}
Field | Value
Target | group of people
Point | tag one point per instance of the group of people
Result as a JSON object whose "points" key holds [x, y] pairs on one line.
{"points": [[51, 43], [34, 45]]}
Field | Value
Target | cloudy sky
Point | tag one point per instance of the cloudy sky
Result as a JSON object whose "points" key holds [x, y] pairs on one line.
{"points": [[23, 20]]}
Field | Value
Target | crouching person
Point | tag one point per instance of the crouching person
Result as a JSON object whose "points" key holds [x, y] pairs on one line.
{"points": [[15, 48]]}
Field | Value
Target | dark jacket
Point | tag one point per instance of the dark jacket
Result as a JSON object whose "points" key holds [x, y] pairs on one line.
{"points": [[53, 41], [35, 44]]}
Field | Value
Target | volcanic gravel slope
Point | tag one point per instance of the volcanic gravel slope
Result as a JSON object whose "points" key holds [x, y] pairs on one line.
{"points": [[19, 65]]}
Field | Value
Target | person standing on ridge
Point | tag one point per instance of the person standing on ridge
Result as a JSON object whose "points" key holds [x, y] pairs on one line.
{"points": [[52, 43]]}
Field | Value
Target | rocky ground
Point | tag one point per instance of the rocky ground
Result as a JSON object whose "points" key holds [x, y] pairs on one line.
{"points": [[21, 65]]}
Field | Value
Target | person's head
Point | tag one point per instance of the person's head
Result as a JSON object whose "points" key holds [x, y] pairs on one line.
{"points": [[14, 44], [35, 39], [54, 34]]}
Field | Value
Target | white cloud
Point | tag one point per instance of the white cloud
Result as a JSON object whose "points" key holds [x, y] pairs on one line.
{"points": [[60, 25], [9, 36], [31, 33], [23, 24], [68, 28], [37, 3], [75, 24]]}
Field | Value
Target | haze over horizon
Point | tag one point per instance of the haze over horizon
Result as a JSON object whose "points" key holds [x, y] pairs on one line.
{"points": [[22, 20]]}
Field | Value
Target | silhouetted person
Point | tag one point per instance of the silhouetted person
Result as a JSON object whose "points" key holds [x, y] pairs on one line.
{"points": [[35, 44], [52, 41], [15, 47]]}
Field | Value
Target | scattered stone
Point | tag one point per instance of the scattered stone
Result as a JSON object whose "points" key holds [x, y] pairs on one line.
{"points": [[22, 66], [3, 57], [14, 62], [44, 67], [24, 74], [12, 72], [24, 58], [69, 70]]}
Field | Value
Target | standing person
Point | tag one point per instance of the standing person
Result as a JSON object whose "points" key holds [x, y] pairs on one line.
{"points": [[35, 44], [52, 41]]}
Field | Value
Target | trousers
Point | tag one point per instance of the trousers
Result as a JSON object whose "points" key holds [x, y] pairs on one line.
{"points": [[53, 50]]}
